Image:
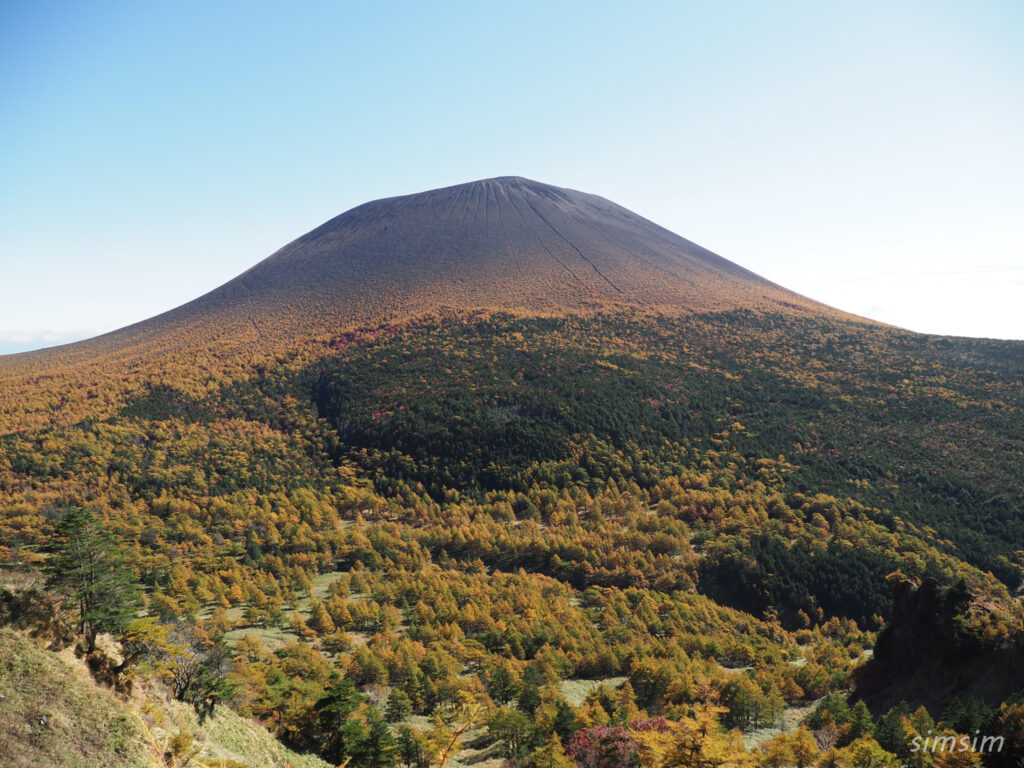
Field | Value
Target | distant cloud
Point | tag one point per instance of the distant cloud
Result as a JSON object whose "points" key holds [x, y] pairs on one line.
{"points": [[25, 341]]}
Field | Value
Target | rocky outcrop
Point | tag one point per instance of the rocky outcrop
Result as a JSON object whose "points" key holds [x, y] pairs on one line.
{"points": [[942, 643]]}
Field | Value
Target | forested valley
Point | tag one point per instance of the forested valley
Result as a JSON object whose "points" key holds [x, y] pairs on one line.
{"points": [[603, 539]]}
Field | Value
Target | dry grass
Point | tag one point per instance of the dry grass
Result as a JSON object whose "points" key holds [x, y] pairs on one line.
{"points": [[227, 737], [575, 691], [54, 717], [54, 714]]}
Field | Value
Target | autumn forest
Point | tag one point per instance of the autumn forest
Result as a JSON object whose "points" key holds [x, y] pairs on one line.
{"points": [[602, 536]]}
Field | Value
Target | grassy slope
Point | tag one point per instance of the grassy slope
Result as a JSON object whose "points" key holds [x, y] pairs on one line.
{"points": [[54, 715], [227, 736]]}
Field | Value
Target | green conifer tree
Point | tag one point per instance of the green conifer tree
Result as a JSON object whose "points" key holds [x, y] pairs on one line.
{"points": [[377, 748], [90, 568]]}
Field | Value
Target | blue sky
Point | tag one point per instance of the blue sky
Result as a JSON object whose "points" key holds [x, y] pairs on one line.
{"points": [[864, 153]]}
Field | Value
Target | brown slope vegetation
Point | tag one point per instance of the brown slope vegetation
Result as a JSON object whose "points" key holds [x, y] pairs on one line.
{"points": [[506, 243]]}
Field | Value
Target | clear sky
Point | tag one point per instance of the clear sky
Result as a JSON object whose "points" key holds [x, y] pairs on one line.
{"points": [[867, 154]]}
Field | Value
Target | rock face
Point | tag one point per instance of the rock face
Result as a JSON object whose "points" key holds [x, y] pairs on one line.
{"points": [[934, 648]]}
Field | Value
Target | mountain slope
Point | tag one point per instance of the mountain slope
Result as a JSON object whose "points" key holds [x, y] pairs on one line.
{"points": [[507, 243], [498, 244], [463, 459]]}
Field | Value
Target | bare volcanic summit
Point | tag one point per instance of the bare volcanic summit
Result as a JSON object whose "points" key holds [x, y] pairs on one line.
{"points": [[503, 244], [507, 243]]}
